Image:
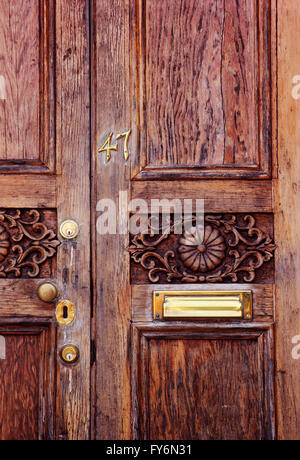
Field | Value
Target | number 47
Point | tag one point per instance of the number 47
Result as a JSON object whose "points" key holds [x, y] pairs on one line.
{"points": [[108, 148]]}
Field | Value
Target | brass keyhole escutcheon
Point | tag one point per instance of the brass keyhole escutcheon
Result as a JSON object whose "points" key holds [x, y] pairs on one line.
{"points": [[69, 354], [69, 229], [47, 292], [65, 312]]}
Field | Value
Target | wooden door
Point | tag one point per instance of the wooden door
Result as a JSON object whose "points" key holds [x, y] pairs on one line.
{"points": [[184, 106], [44, 179], [104, 102]]}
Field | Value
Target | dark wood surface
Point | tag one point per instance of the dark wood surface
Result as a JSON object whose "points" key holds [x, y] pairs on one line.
{"points": [[195, 382], [27, 380]]}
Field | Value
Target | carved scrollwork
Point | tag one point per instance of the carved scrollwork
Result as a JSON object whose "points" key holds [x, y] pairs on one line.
{"points": [[231, 249], [25, 243]]}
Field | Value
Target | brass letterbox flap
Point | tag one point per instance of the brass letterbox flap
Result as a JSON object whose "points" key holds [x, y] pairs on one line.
{"points": [[202, 304]]}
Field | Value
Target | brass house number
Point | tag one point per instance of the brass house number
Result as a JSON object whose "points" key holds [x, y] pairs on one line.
{"points": [[108, 148]]}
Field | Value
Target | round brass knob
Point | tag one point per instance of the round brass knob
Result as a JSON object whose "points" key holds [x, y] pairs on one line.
{"points": [[47, 292], [69, 354]]}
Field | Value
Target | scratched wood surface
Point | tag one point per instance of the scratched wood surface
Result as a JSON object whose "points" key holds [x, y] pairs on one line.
{"points": [[64, 406], [198, 385], [19, 63], [27, 112], [111, 113], [27, 380], [19, 388], [287, 203], [198, 88], [73, 201], [201, 65]]}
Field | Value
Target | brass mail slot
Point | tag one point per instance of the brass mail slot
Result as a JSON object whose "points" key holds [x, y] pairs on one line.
{"points": [[202, 304]]}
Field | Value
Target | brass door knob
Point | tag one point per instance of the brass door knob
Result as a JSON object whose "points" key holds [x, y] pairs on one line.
{"points": [[47, 292]]}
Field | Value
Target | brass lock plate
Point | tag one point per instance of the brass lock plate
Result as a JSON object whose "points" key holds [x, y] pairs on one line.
{"points": [[69, 354], [69, 229], [65, 312]]}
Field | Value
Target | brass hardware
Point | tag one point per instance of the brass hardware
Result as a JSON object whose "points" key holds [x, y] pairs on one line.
{"points": [[69, 229], [202, 304], [47, 292], [106, 147], [125, 150], [65, 312], [69, 354]]}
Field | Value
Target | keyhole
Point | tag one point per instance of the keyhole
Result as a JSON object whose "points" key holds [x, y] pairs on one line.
{"points": [[65, 312]]}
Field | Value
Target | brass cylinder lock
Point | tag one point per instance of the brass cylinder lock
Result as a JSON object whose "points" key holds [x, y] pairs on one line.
{"points": [[69, 354], [69, 229], [65, 312]]}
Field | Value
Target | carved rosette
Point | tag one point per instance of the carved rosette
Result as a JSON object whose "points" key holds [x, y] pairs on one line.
{"points": [[229, 249], [202, 253], [25, 243]]}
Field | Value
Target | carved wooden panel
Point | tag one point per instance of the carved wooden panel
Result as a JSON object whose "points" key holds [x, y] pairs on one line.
{"points": [[26, 86], [197, 384], [26, 382], [235, 248], [202, 88], [28, 243]]}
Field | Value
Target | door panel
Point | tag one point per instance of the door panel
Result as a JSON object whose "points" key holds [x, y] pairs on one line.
{"points": [[27, 383], [44, 137], [197, 384], [27, 110], [202, 89], [191, 83]]}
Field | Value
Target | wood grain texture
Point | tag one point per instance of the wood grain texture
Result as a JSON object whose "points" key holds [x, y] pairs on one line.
{"points": [[111, 113], [19, 50], [203, 385], [232, 196], [27, 191], [199, 66], [287, 203], [19, 299], [19, 388], [26, 107], [142, 299], [73, 201], [26, 384]]}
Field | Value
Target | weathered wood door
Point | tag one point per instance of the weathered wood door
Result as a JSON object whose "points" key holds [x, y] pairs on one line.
{"points": [[185, 91], [44, 180], [104, 102]]}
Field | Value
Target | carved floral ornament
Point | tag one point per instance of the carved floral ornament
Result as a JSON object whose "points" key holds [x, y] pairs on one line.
{"points": [[232, 250], [25, 243]]}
